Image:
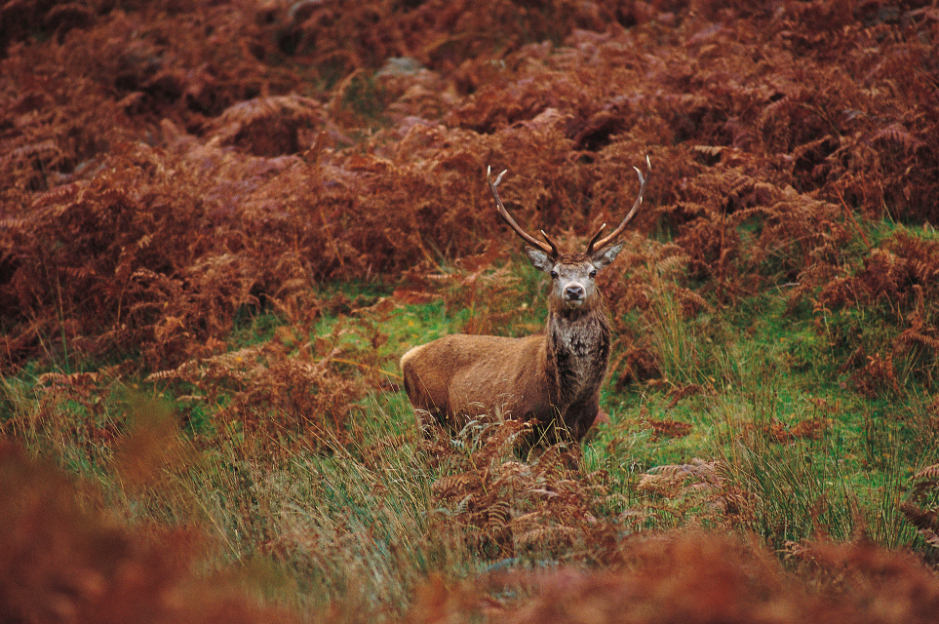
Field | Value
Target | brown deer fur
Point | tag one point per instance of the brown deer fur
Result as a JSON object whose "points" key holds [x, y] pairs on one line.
{"points": [[554, 377]]}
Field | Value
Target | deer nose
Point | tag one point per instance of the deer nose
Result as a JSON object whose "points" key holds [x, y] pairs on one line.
{"points": [[574, 292]]}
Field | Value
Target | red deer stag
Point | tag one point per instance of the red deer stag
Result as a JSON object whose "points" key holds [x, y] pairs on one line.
{"points": [[554, 377]]}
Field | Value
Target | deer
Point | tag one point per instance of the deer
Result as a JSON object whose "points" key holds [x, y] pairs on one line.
{"points": [[553, 377]]}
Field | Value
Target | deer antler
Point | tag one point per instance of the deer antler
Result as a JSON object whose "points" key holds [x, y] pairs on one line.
{"points": [[550, 248], [595, 245]]}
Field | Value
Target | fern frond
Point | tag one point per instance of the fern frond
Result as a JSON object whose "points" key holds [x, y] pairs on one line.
{"points": [[930, 473]]}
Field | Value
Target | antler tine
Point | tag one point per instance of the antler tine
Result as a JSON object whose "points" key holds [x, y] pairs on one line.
{"points": [[554, 248], [550, 248], [595, 245], [594, 238]]}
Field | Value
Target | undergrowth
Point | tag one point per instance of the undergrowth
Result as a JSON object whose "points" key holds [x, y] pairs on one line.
{"points": [[222, 223], [748, 436]]}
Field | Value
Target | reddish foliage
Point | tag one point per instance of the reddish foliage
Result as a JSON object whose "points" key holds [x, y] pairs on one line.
{"points": [[668, 428], [810, 429], [700, 577], [277, 402], [59, 562], [162, 171], [168, 166]]}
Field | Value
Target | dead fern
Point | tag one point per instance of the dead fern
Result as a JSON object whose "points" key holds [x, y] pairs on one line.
{"points": [[921, 508], [277, 401], [225, 171], [508, 508], [63, 557], [269, 126], [702, 487]]}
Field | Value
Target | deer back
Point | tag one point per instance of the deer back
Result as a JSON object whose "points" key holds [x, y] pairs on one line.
{"points": [[461, 376]]}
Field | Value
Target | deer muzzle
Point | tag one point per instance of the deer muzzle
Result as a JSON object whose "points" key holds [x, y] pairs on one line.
{"points": [[574, 296]]}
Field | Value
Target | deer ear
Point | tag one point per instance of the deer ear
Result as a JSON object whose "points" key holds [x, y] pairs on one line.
{"points": [[540, 260], [606, 256]]}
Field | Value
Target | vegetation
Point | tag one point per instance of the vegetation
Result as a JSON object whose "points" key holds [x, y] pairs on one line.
{"points": [[221, 223]]}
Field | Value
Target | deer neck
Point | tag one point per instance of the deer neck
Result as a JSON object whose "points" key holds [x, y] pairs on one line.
{"points": [[578, 350]]}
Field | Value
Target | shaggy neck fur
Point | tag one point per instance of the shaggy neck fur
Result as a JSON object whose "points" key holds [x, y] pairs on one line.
{"points": [[578, 351]]}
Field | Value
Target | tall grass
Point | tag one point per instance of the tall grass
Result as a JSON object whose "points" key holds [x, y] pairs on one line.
{"points": [[772, 446], [798, 453], [347, 525]]}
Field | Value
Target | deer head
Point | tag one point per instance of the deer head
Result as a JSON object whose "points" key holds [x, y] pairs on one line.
{"points": [[572, 274]]}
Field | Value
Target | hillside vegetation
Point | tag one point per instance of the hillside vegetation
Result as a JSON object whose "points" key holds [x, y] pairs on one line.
{"points": [[222, 222]]}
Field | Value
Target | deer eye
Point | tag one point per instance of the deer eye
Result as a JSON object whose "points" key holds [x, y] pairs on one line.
{"points": [[593, 273], [554, 274]]}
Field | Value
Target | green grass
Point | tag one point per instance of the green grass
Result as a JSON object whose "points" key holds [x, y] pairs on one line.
{"points": [[354, 521]]}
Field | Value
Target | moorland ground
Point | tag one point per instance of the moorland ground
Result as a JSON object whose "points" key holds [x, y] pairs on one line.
{"points": [[221, 223]]}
